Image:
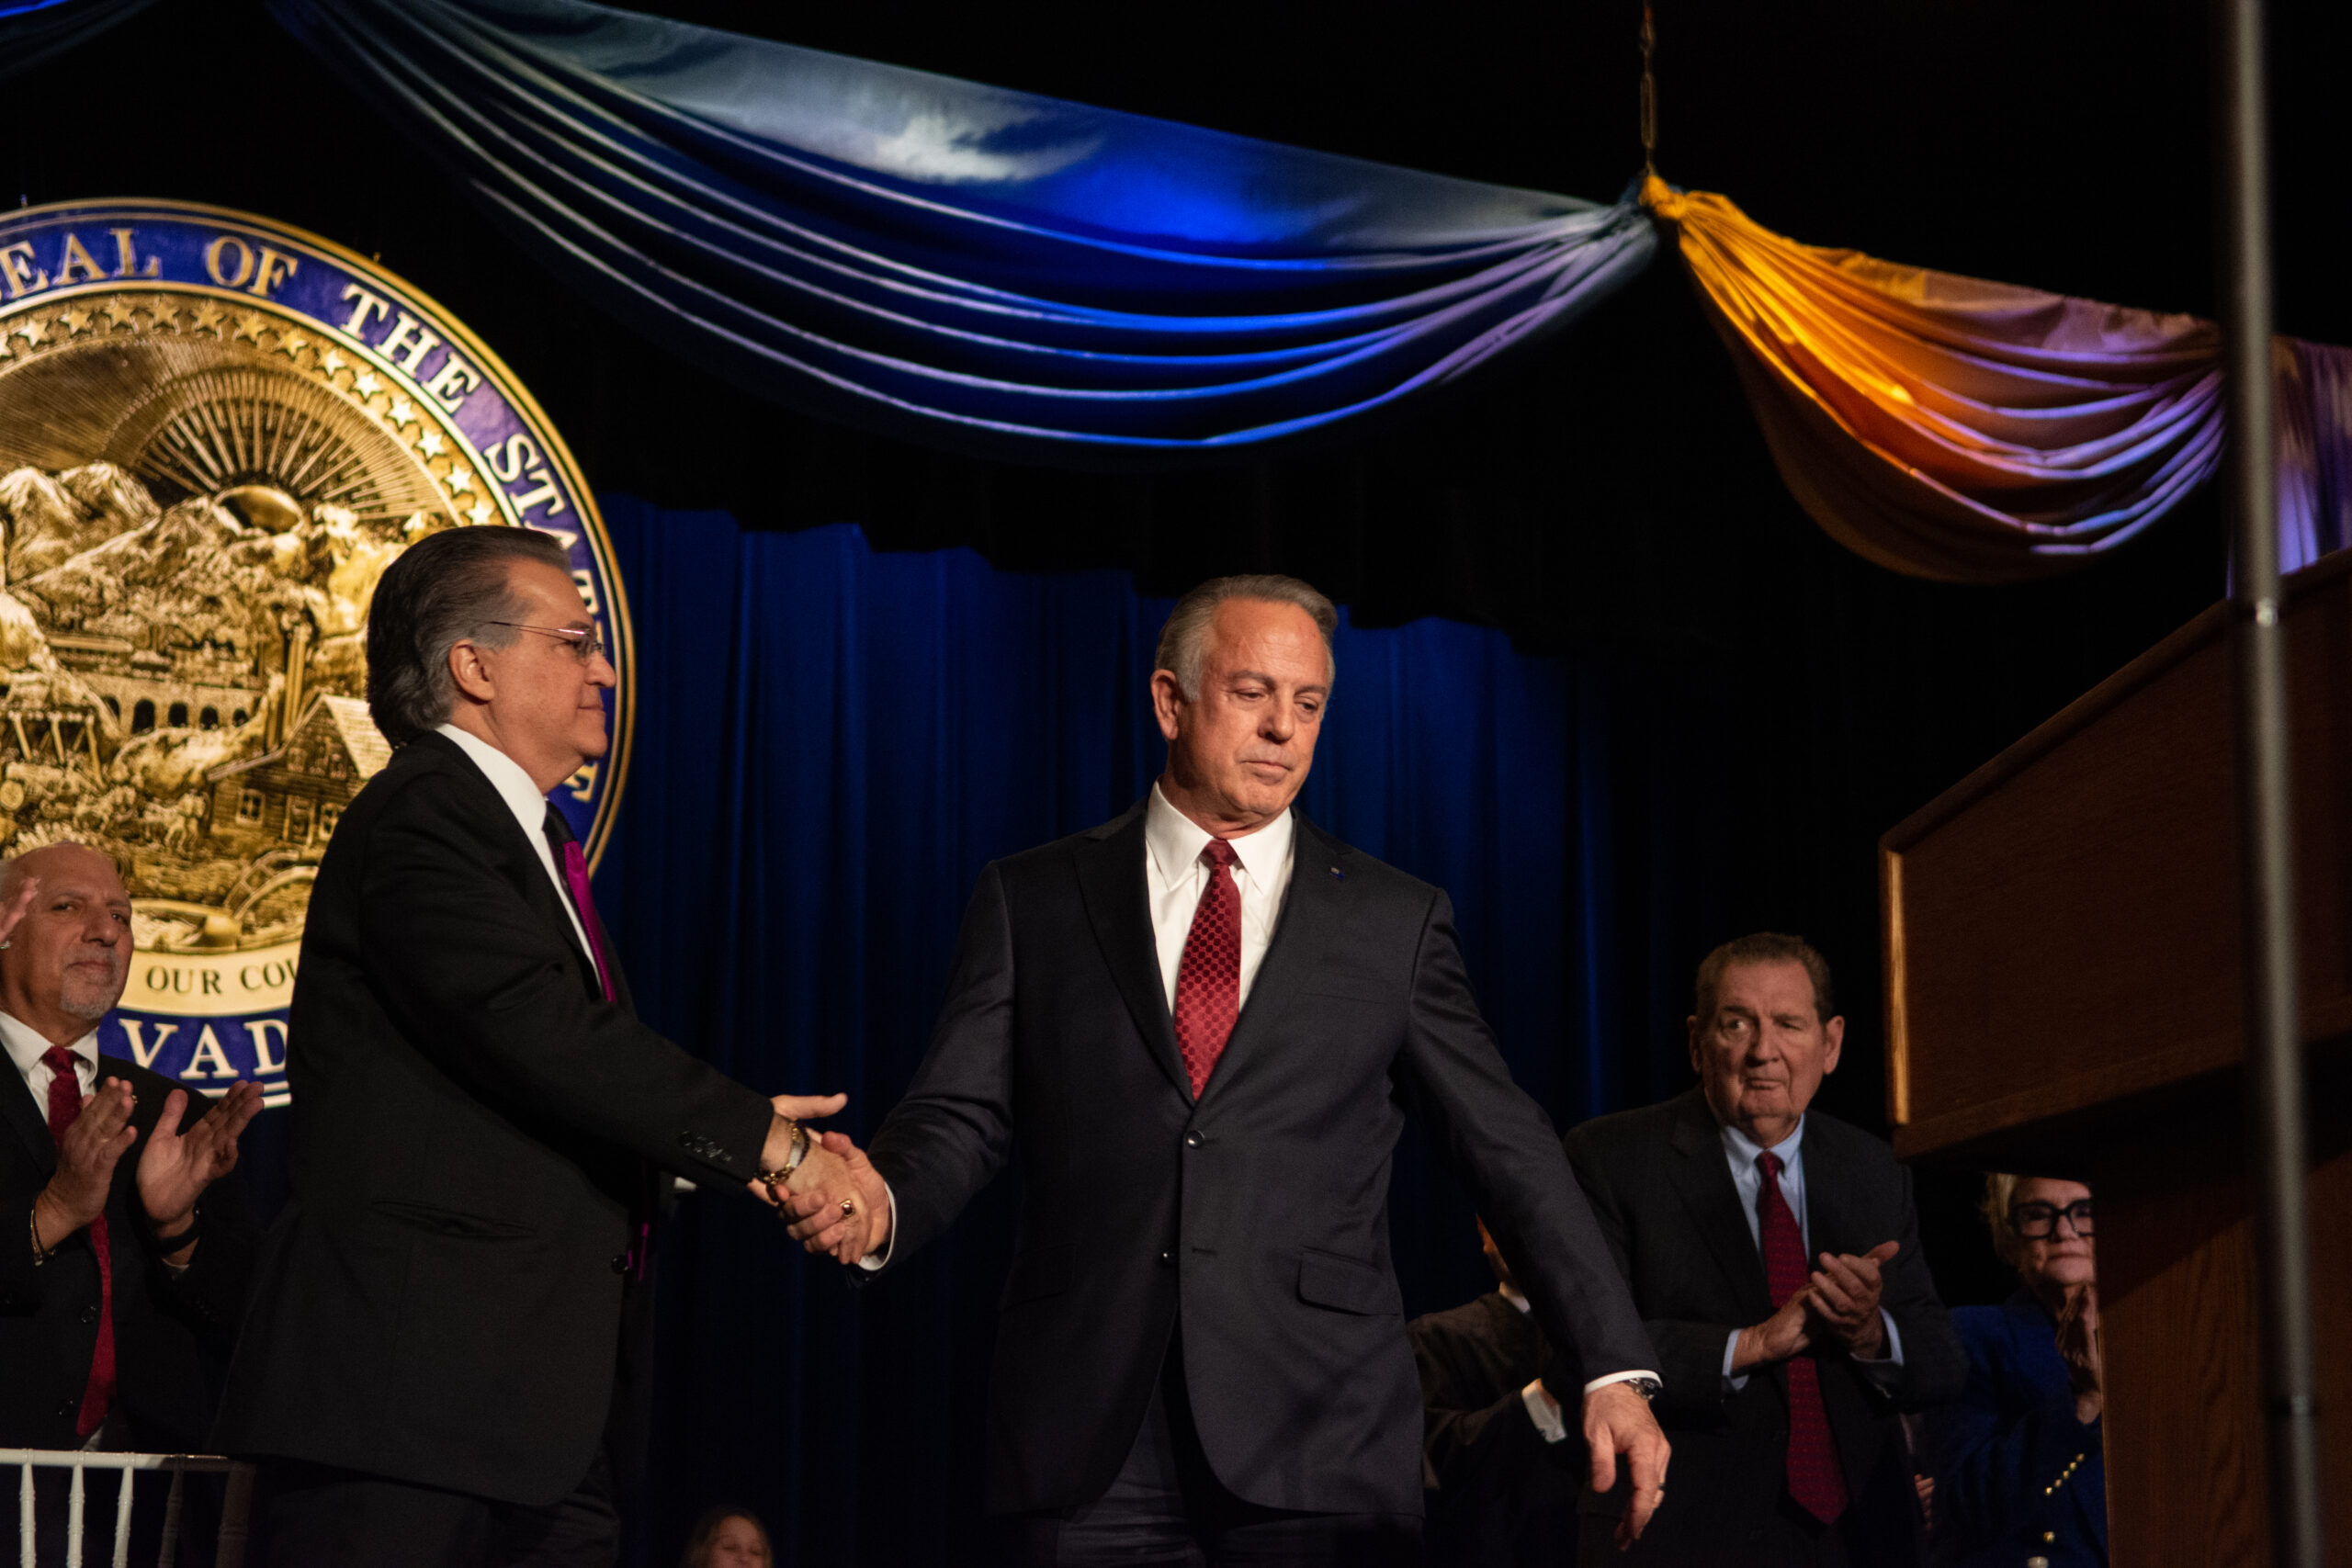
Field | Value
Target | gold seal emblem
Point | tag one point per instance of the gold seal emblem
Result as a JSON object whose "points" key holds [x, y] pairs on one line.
{"points": [[215, 434]]}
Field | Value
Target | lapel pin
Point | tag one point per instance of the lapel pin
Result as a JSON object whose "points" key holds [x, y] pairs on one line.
{"points": [[1337, 875]]}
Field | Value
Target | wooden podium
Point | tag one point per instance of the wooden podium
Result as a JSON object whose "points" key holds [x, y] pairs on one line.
{"points": [[2063, 999]]}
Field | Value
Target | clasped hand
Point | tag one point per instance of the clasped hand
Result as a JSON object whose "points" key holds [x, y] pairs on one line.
{"points": [[833, 1202], [1839, 1303]]}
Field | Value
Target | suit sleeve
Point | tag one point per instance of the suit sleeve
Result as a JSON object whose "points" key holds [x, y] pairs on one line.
{"points": [[22, 1282], [1477, 1440], [485, 987], [1689, 1353], [1989, 1459], [1934, 1365], [949, 1136], [1505, 1147]]}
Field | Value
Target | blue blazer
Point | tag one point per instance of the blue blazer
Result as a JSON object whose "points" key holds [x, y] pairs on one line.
{"points": [[2017, 1476]]}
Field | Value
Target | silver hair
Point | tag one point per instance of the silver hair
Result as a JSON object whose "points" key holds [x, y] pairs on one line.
{"points": [[446, 589], [1184, 640]]}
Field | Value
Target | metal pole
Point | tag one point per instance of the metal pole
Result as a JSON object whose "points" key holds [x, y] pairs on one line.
{"points": [[2267, 894]]}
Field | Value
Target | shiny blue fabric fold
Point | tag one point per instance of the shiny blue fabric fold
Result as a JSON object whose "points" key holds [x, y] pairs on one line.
{"points": [[33, 32], [960, 264]]}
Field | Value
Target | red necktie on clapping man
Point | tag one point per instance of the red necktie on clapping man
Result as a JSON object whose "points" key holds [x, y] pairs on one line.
{"points": [[1814, 1480], [64, 1106], [1208, 980]]}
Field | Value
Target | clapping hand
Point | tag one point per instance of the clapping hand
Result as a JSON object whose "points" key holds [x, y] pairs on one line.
{"points": [[1843, 1294], [86, 1155], [19, 905], [177, 1166]]}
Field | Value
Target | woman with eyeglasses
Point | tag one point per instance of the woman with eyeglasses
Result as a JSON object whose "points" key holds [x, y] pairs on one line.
{"points": [[2017, 1473]]}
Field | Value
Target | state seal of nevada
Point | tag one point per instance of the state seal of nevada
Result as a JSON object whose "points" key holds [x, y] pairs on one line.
{"points": [[216, 432]]}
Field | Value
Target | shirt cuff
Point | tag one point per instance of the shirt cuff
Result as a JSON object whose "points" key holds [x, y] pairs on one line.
{"points": [[1732, 1383], [1624, 1377], [1544, 1413], [873, 1262]]}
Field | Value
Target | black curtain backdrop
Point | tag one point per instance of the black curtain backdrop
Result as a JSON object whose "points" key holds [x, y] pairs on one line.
{"points": [[1744, 708]]}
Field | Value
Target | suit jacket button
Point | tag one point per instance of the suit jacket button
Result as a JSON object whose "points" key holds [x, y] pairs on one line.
{"points": [[1191, 1140], [67, 1406], [1168, 1258], [89, 1314], [620, 1262]]}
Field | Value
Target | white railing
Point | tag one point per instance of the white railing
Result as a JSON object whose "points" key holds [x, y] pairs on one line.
{"points": [[230, 1551]]}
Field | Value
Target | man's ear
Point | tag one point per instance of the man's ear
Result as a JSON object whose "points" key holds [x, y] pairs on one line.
{"points": [[1167, 698], [471, 673], [1836, 1030]]}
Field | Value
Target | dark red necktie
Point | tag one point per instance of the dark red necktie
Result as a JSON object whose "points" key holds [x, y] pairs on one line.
{"points": [[575, 877], [65, 1105], [1814, 1480], [1209, 981]]}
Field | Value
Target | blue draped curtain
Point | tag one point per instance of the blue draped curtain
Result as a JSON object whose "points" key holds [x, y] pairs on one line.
{"points": [[958, 264], [831, 743]]}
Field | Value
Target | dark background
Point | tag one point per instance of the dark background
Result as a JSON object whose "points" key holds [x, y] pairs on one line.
{"points": [[1752, 707]]}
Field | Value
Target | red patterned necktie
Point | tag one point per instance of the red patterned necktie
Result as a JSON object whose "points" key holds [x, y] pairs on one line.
{"points": [[1209, 981], [1814, 1480], [65, 1105]]}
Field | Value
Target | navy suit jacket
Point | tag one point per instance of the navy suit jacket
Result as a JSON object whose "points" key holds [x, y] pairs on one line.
{"points": [[2009, 1438]]}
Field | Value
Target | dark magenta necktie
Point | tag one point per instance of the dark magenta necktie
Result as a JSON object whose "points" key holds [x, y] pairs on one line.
{"points": [[1814, 1480], [574, 867], [1208, 980], [64, 1107]]}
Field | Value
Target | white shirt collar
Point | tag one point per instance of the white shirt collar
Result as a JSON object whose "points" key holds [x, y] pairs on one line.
{"points": [[26, 1046], [1174, 840], [506, 776], [1744, 1149], [1515, 1298]]}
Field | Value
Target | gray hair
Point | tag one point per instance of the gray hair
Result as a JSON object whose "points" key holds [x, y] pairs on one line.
{"points": [[446, 589], [1184, 641]]}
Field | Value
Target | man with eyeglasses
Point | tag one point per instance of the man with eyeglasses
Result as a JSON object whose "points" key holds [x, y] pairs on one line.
{"points": [[1774, 1256], [445, 1357], [2021, 1472]]}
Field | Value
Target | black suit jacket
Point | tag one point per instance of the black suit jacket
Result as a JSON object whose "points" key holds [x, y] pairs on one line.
{"points": [[1499, 1493], [1662, 1190], [475, 1133], [171, 1335], [1257, 1216]]}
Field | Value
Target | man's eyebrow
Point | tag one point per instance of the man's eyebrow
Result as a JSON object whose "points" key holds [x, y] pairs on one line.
{"points": [[1271, 681]]}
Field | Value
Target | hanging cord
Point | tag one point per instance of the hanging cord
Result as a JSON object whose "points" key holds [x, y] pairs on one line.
{"points": [[1649, 100]]}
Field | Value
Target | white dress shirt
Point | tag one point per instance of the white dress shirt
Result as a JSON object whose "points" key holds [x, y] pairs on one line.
{"points": [[26, 1049], [530, 808], [1175, 876], [1742, 1152]]}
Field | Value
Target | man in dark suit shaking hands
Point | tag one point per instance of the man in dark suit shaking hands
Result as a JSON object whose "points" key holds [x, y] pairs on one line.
{"points": [[1197, 1027], [444, 1353], [1774, 1253]]}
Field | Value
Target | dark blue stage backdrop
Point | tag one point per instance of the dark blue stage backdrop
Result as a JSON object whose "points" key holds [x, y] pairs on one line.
{"points": [[831, 743]]}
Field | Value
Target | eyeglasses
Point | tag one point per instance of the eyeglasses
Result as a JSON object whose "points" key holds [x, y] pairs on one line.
{"points": [[2038, 1222], [585, 646]]}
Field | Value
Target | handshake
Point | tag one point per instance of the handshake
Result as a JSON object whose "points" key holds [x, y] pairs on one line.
{"points": [[832, 1198]]}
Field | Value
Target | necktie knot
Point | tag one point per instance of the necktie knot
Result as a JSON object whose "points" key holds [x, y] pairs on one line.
{"points": [[1770, 1164], [59, 1059], [1219, 853]]}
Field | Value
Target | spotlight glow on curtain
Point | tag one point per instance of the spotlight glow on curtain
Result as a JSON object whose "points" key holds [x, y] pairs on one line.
{"points": [[1975, 431], [962, 264]]}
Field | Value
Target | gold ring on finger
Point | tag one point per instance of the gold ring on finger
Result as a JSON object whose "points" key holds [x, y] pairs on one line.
{"points": [[849, 1206]]}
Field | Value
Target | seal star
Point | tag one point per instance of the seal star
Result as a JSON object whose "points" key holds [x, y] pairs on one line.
{"points": [[208, 317], [460, 480], [330, 362], [250, 325], [121, 312], [367, 385], [73, 319], [477, 513], [402, 412], [292, 344], [30, 329], [430, 444]]}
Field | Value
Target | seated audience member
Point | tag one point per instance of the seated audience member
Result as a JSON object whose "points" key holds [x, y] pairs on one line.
{"points": [[1774, 1256], [727, 1537], [1499, 1456], [2019, 1472], [125, 1242]]}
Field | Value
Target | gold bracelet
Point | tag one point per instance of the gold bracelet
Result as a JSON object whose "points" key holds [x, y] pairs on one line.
{"points": [[798, 1152]]}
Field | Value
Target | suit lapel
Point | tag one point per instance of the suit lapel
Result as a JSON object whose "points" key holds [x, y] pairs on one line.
{"points": [[1118, 905], [1312, 912], [537, 890], [1828, 1225], [1702, 1178], [16, 1108]]}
